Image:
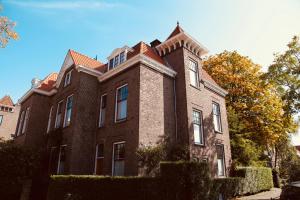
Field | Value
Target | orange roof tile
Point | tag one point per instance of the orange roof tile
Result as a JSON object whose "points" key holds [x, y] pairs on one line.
{"points": [[48, 83], [176, 31], [80, 59], [208, 78], [145, 49], [6, 100]]}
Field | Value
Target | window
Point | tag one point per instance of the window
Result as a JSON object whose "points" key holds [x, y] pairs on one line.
{"points": [[198, 129], [68, 78], [20, 123], [68, 111], [221, 161], [217, 117], [118, 159], [49, 119], [111, 63], [194, 76], [99, 159], [116, 61], [26, 120], [121, 103], [102, 110], [122, 57], [58, 115], [61, 159], [1, 119]]}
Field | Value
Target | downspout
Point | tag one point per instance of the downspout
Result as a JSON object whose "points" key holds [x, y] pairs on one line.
{"points": [[175, 111]]}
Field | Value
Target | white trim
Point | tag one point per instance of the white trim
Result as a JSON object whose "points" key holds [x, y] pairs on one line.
{"points": [[58, 163], [224, 164], [69, 79], [65, 115], [101, 99], [96, 157], [36, 90], [116, 102], [215, 88], [113, 156], [68, 62], [55, 124], [138, 58], [81, 68], [49, 120]]}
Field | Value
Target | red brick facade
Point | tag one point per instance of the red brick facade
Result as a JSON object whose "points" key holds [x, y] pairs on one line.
{"points": [[160, 101]]}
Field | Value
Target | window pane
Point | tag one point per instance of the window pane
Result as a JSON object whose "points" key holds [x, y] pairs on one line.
{"points": [[122, 57], [197, 133], [62, 159], [119, 156], [220, 157], [49, 119], [111, 63], [116, 60], [1, 119], [100, 151], [122, 103], [102, 110]]}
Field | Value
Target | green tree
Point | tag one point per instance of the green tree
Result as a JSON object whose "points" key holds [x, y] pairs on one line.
{"points": [[284, 73], [7, 31]]}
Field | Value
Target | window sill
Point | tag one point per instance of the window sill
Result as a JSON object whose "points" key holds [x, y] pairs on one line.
{"points": [[218, 132], [120, 121], [197, 88], [199, 144]]}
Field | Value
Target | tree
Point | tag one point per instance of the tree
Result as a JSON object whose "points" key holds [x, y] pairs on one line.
{"points": [[255, 111], [6, 30], [284, 73]]}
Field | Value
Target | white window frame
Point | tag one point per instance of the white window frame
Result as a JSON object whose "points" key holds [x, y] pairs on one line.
{"points": [[223, 161], [26, 119], [201, 130], [49, 119], [65, 115], [59, 155], [55, 124], [96, 157], [116, 104], [219, 119], [196, 72], [113, 156], [20, 122], [100, 112], [68, 78]]}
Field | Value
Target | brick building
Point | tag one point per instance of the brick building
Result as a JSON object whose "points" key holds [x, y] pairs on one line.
{"points": [[92, 116], [9, 114]]}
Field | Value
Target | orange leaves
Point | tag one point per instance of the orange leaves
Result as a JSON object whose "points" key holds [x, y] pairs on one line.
{"points": [[6, 31]]}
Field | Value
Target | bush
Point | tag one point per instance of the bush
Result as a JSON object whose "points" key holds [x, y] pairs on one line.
{"points": [[16, 165], [185, 180], [101, 187], [228, 187], [255, 179]]}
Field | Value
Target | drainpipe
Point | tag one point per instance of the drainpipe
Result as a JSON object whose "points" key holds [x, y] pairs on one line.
{"points": [[175, 111]]}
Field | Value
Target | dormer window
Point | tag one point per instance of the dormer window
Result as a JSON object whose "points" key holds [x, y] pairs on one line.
{"points": [[118, 56], [68, 78]]}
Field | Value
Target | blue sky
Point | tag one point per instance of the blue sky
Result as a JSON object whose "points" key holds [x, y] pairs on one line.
{"points": [[47, 29]]}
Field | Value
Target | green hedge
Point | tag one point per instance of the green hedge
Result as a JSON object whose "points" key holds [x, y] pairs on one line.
{"points": [[185, 180], [177, 181], [100, 187], [255, 179]]}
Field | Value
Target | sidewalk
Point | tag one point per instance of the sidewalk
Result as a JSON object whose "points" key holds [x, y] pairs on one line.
{"points": [[274, 193]]}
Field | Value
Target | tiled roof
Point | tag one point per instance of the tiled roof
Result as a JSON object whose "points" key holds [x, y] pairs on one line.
{"points": [[6, 100], [208, 78], [176, 31], [80, 59], [48, 83], [145, 49]]}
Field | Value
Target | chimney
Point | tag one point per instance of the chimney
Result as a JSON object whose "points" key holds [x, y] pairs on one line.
{"points": [[35, 82], [155, 43]]}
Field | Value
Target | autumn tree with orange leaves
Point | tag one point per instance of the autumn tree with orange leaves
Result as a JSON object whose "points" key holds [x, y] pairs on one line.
{"points": [[255, 110], [6, 30]]}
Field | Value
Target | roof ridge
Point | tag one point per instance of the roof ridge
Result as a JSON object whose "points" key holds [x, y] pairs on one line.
{"points": [[71, 50], [6, 100]]}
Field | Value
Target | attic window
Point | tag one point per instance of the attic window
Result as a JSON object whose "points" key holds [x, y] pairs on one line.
{"points": [[117, 60], [68, 78]]}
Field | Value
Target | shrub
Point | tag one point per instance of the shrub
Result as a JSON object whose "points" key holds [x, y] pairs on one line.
{"points": [[101, 187], [255, 179], [228, 187], [185, 180]]}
